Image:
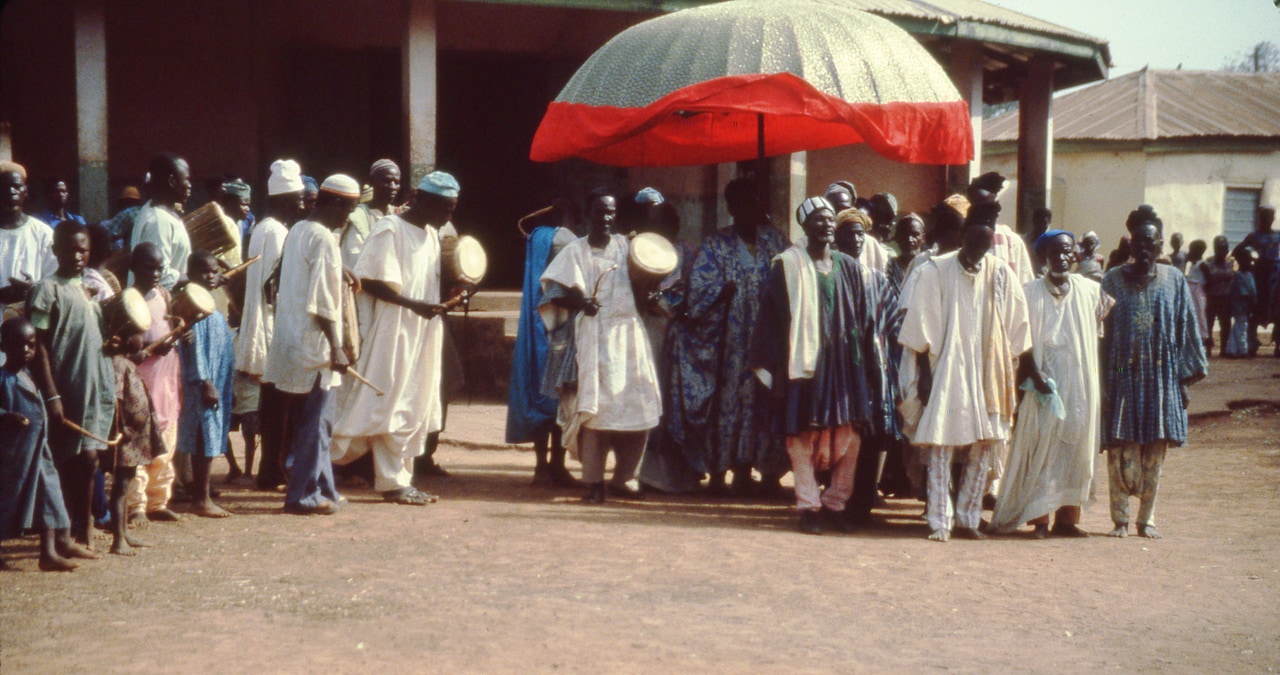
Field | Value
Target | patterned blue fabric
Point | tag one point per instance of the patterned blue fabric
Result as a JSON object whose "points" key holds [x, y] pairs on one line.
{"points": [[1244, 299], [528, 409], [1151, 345], [713, 415], [208, 353]]}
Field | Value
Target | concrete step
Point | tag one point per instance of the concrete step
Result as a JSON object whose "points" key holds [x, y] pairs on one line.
{"points": [[496, 301], [510, 319]]}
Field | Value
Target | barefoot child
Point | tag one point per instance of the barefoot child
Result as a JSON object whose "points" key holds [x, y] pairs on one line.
{"points": [[139, 434], [208, 367], [30, 494], [73, 373], [149, 494]]}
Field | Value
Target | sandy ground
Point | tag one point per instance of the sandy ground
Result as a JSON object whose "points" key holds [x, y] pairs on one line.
{"points": [[500, 576]]}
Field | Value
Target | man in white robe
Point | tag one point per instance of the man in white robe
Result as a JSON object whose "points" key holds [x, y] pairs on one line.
{"points": [[26, 242], [159, 223], [401, 353], [965, 327], [616, 401], [306, 354], [1051, 463], [257, 321]]}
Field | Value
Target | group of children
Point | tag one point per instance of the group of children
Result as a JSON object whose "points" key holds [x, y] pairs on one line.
{"points": [[80, 392]]}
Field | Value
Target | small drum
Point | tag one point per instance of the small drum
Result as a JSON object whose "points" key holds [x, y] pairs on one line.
{"points": [[211, 230], [192, 304], [462, 261], [126, 313], [652, 258]]}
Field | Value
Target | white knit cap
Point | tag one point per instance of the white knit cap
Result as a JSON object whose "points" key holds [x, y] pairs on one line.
{"points": [[341, 184], [286, 177]]}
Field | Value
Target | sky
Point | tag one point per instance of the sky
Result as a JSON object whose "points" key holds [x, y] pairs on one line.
{"points": [[1199, 34]]}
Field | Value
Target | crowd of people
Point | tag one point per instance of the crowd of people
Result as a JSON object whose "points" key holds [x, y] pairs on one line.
{"points": [[950, 361]]}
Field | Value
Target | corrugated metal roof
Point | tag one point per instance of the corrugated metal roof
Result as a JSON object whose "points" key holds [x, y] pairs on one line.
{"points": [[954, 11], [1161, 104]]}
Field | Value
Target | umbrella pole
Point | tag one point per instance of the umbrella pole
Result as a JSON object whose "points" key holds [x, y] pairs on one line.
{"points": [[762, 166]]}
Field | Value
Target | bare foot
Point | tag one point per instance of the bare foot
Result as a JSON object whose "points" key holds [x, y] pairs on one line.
{"points": [[122, 547], [970, 533], [56, 563], [940, 535], [71, 549], [234, 475], [1120, 532], [166, 515], [1148, 531], [137, 519], [1041, 532], [208, 509], [1070, 531], [135, 542]]}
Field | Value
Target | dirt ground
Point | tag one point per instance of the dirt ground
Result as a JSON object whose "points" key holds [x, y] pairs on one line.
{"points": [[501, 576]]}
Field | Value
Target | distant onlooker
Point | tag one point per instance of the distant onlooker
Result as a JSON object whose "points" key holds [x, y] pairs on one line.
{"points": [[1219, 274], [57, 200], [1266, 274], [1177, 257]]}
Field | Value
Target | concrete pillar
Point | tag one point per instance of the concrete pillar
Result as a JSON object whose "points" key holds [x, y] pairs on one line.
{"points": [[418, 70], [794, 189], [966, 73], [1035, 139], [91, 108]]}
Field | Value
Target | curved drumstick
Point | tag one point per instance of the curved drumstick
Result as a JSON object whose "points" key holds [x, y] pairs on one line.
{"points": [[85, 432], [151, 348], [600, 278], [241, 267], [356, 374]]}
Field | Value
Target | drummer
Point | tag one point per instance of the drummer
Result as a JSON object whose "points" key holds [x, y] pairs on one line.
{"points": [[159, 223], [74, 375], [149, 494], [400, 267], [208, 365], [617, 401]]}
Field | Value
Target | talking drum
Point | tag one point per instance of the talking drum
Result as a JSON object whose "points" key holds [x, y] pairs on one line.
{"points": [[192, 304], [126, 313], [652, 258], [211, 230], [462, 262]]}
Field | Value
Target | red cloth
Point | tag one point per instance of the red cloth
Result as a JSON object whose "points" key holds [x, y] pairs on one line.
{"points": [[724, 127]]}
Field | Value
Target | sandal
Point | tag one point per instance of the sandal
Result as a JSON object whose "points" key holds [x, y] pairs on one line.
{"points": [[409, 496]]}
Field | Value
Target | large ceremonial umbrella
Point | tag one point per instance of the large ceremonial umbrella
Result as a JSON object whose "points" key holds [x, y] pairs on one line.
{"points": [[753, 78]]}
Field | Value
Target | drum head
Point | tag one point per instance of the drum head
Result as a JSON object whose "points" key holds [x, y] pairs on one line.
{"points": [[653, 253], [472, 261], [134, 306], [199, 298]]}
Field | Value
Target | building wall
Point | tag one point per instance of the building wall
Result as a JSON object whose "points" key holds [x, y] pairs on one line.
{"points": [[1097, 190], [1187, 189], [917, 187], [1091, 191], [37, 89]]}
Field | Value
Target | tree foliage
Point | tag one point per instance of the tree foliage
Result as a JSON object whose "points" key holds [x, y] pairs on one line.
{"points": [[1263, 57]]}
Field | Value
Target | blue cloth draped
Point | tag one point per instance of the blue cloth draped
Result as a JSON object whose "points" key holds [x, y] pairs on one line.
{"points": [[30, 494], [712, 415], [208, 353], [528, 409]]}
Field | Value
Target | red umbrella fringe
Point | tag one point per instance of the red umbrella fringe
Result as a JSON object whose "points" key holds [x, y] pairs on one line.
{"points": [[716, 121]]}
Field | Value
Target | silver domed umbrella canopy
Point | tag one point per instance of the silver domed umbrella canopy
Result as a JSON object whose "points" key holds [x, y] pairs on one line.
{"points": [[751, 78]]}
